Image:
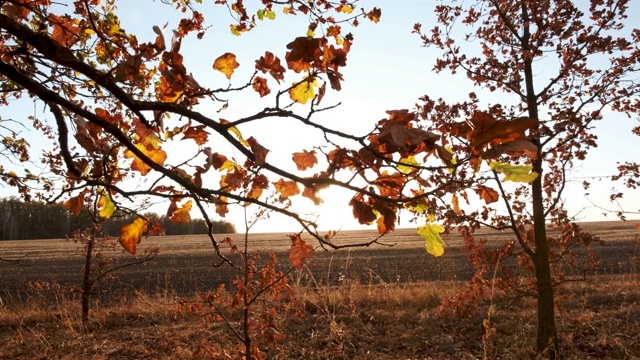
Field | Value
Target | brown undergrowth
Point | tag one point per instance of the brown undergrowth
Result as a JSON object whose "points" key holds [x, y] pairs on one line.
{"points": [[598, 319]]}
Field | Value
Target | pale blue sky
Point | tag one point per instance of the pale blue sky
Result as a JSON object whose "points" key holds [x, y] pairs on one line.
{"points": [[386, 69]]}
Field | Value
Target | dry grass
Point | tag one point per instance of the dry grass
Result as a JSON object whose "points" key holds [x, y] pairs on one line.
{"points": [[600, 320]]}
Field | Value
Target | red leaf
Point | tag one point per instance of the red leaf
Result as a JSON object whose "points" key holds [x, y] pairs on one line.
{"points": [[259, 151], [197, 133], [76, 203], [260, 85], [270, 63], [299, 252]]}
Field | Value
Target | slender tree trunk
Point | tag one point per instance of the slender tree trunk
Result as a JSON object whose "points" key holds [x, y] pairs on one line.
{"points": [[547, 339], [86, 281]]}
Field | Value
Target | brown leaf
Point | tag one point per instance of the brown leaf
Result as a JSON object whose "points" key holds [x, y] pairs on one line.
{"points": [[299, 251], [503, 131], [305, 160], [362, 211], [197, 133], [312, 193], [271, 64], [304, 51], [181, 214], [260, 85], [487, 194], [514, 148], [390, 185], [259, 151], [286, 188]]}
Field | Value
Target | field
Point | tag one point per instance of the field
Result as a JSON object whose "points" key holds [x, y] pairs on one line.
{"points": [[365, 303]]}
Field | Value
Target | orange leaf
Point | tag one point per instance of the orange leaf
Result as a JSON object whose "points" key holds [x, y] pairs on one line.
{"points": [[64, 30], [197, 133], [390, 185], [156, 155], [286, 188], [132, 234], [311, 193], [456, 205], [487, 194], [259, 151], [305, 160], [503, 131], [181, 215], [299, 252], [260, 85], [76, 203], [226, 64]]}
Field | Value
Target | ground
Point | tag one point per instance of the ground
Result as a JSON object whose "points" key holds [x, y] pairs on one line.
{"points": [[374, 303]]}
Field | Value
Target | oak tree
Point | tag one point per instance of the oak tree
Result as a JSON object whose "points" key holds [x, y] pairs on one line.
{"points": [[558, 67]]}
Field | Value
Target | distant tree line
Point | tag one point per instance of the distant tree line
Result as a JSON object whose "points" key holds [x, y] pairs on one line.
{"points": [[20, 220]]}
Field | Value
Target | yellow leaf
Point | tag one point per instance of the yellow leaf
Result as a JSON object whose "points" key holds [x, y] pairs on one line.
{"points": [[304, 90], [226, 64], [106, 206], [431, 235], [310, 33], [515, 173], [347, 9], [132, 234], [158, 156], [236, 30], [410, 160], [228, 165]]}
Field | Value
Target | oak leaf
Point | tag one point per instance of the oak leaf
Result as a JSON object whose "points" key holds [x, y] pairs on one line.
{"points": [[106, 206], [181, 214], [197, 133], [312, 194], [286, 188], [226, 64], [487, 194], [76, 203], [431, 235], [305, 160], [304, 90], [362, 211], [515, 173], [503, 131], [157, 155], [260, 86], [132, 234], [304, 52], [456, 205], [259, 151], [271, 64], [299, 251]]}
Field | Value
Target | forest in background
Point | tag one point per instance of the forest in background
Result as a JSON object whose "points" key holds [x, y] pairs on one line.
{"points": [[21, 220]]}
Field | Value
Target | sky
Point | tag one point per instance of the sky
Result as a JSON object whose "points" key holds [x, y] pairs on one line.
{"points": [[387, 69]]}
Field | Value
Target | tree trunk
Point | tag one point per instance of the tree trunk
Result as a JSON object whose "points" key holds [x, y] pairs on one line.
{"points": [[86, 281]]}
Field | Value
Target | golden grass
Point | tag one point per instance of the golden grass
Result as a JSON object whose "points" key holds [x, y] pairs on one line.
{"points": [[601, 319]]}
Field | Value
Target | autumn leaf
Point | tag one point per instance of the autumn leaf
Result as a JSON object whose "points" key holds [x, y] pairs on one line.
{"points": [[260, 86], [515, 173], [271, 64], [226, 64], [374, 15], [157, 155], [362, 211], [259, 151], [487, 194], [390, 185], [132, 234], [197, 133], [76, 203], [431, 235], [305, 160], [456, 205], [503, 131], [236, 132], [312, 194], [347, 9], [64, 30], [286, 188], [305, 50], [408, 164], [299, 251], [514, 148], [106, 206], [304, 90], [181, 214]]}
